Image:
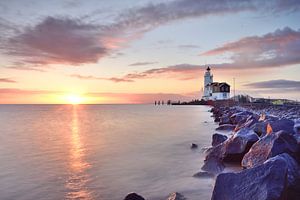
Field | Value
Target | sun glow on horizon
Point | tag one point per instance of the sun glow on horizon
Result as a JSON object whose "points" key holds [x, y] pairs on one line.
{"points": [[74, 99]]}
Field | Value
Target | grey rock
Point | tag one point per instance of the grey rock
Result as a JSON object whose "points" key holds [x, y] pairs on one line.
{"points": [[239, 144], [268, 181], [270, 146], [213, 162], [218, 139]]}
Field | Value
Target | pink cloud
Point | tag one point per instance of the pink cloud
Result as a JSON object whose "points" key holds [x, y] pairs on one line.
{"points": [[279, 48], [7, 80], [72, 41], [114, 79]]}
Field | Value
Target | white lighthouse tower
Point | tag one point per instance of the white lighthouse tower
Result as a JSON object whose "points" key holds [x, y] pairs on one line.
{"points": [[214, 90], [208, 79]]}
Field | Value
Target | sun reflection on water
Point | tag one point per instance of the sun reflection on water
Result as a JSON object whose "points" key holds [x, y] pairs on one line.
{"points": [[78, 178]]}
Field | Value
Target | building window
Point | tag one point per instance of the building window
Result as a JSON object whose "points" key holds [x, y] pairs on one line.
{"points": [[224, 95]]}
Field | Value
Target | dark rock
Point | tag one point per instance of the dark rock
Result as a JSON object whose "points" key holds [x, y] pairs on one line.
{"points": [[251, 120], [194, 146], [134, 196], [239, 144], [269, 146], [176, 196], [286, 125], [269, 181], [226, 127], [231, 150], [203, 175], [213, 162], [218, 139], [260, 128], [217, 119], [297, 128], [240, 117], [224, 120]]}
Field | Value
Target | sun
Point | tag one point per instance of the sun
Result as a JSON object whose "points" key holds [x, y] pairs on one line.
{"points": [[74, 99]]}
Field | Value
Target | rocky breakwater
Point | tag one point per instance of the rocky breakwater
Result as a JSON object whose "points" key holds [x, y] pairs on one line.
{"points": [[268, 149]]}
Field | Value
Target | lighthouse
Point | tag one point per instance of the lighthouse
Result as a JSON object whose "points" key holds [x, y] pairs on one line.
{"points": [[208, 80], [214, 90]]}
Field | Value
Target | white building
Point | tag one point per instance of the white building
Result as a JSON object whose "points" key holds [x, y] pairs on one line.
{"points": [[214, 90]]}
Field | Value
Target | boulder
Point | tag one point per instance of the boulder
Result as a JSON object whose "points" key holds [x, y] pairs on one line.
{"points": [[218, 139], [176, 196], [251, 120], [213, 162], [231, 150], [286, 125], [226, 127], [268, 181], [269, 146], [297, 127], [240, 117], [239, 144], [217, 119], [260, 128], [134, 196], [224, 120]]}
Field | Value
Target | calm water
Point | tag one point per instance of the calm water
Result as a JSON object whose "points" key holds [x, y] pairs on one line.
{"points": [[102, 151]]}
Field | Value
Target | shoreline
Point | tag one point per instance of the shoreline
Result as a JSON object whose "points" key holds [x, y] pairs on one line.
{"points": [[263, 143], [266, 144]]}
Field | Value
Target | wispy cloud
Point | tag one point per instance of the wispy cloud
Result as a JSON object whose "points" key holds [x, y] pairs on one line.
{"points": [[275, 49], [73, 41], [189, 46], [279, 48], [7, 80], [114, 79], [26, 68], [142, 63], [276, 84]]}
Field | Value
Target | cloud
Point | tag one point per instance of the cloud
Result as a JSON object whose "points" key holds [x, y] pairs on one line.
{"points": [[58, 40], [275, 49], [114, 79], [276, 84], [19, 92], [142, 63], [279, 48], [7, 80], [73, 41], [183, 71], [26, 68], [188, 46]]}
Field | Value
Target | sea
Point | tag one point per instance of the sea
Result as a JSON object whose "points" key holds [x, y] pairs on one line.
{"points": [[103, 152]]}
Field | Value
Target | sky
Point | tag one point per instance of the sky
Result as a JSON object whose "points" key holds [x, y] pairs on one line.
{"points": [[129, 51]]}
